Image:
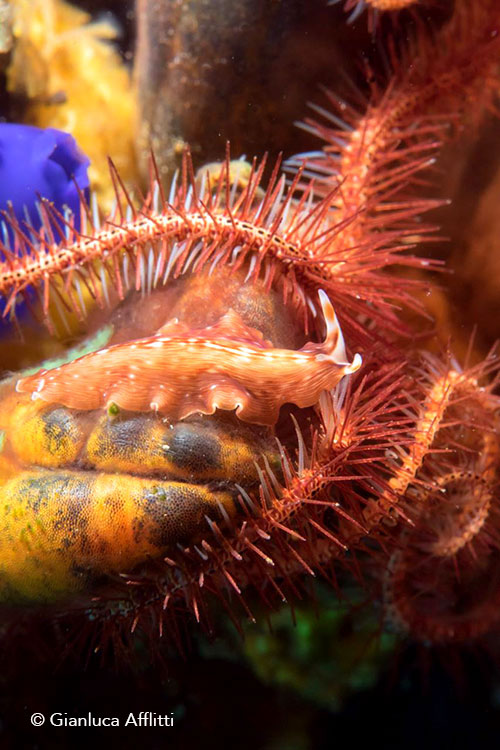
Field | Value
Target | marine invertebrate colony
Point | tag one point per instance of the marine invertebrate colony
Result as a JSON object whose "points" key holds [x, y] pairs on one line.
{"points": [[68, 75], [54, 167], [399, 460]]}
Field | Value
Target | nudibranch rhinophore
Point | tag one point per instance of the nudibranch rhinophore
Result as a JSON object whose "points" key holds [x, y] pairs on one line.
{"points": [[180, 372]]}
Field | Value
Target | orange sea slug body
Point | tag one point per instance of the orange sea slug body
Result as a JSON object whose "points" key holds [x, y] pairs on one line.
{"points": [[178, 372]]}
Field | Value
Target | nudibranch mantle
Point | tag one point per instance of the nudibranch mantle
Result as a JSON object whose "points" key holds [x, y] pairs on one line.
{"points": [[180, 372]]}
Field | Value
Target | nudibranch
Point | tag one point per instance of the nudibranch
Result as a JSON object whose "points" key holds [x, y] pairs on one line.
{"points": [[180, 372]]}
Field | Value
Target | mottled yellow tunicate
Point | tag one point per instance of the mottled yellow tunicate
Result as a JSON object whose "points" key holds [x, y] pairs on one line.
{"points": [[60, 530]]}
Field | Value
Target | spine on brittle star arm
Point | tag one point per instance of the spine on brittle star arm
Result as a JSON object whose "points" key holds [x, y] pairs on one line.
{"points": [[178, 372], [356, 7], [390, 4]]}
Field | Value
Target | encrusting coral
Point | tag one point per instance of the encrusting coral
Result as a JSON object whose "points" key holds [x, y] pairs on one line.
{"points": [[393, 472]]}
